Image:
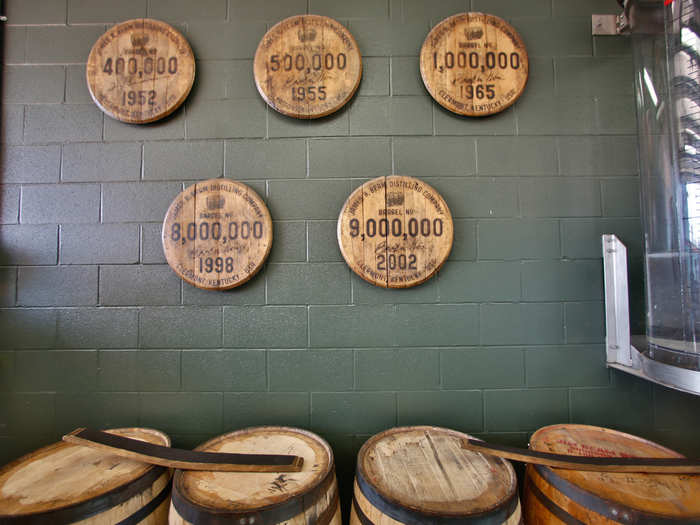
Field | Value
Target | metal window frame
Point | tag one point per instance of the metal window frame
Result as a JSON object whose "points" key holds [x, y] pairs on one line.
{"points": [[620, 353]]}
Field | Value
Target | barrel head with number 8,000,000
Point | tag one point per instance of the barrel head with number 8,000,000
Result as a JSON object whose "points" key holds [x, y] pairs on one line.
{"points": [[217, 234]]}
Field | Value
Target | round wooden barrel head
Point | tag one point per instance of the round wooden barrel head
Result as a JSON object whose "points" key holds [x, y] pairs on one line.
{"points": [[307, 66], [62, 474], [426, 470], [217, 234], [140, 71], [251, 491], [395, 231], [667, 494], [474, 64]]}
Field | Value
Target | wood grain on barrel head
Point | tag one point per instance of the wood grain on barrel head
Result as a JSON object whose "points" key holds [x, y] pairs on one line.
{"points": [[307, 66], [140, 71], [474, 64], [395, 231], [250, 491], [63, 474], [667, 494], [217, 234], [426, 469]]}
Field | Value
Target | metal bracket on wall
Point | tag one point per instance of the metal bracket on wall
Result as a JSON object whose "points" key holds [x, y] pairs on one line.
{"points": [[617, 311], [609, 24], [620, 353]]}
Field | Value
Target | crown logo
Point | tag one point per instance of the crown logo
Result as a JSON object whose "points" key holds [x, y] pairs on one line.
{"points": [[473, 33], [215, 202], [139, 40], [307, 36], [394, 198]]}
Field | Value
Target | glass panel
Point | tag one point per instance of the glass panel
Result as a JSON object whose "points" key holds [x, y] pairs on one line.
{"points": [[667, 69]]}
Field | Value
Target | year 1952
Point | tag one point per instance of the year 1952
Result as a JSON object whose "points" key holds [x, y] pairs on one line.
{"points": [[140, 98]]}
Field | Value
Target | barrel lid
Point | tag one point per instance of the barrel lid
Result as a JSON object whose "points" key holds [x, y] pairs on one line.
{"points": [[64, 475], [242, 492], [425, 469], [666, 494], [140, 70]]}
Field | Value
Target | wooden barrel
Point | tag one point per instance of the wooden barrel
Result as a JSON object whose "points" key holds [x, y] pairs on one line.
{"points": [[421, 475], [65, 483], [246, 498], [553, 495]]}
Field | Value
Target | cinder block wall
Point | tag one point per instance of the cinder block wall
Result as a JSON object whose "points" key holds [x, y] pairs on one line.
{"points": [[96, 329]]}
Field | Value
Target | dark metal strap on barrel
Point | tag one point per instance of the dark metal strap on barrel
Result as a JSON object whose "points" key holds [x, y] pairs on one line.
{"points": [[186, 459], [494, 517], [604, 507], [141, 514], [552, 507], [91, 507], [598, 464]]}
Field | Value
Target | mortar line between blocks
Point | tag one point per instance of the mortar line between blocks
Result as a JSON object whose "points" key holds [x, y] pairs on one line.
{"points": [[311, 408], [391, 76], [65, 83], [393, 154], [138, 326], [396, 408], [354, 369], [139, 232], [223, 156], [99, 273], [59, 231], [483, 410], [308, 326], [182, 382], [16, 285]]}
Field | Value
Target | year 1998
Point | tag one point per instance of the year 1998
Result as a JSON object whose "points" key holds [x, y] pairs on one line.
{"points": [[215, 264]]}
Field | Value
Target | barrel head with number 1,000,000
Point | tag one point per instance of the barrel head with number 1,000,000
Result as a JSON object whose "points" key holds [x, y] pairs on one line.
{"points": [[474, 64]]}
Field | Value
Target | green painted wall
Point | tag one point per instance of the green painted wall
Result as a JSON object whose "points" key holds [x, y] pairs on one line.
{"points": [[96, 329]]}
